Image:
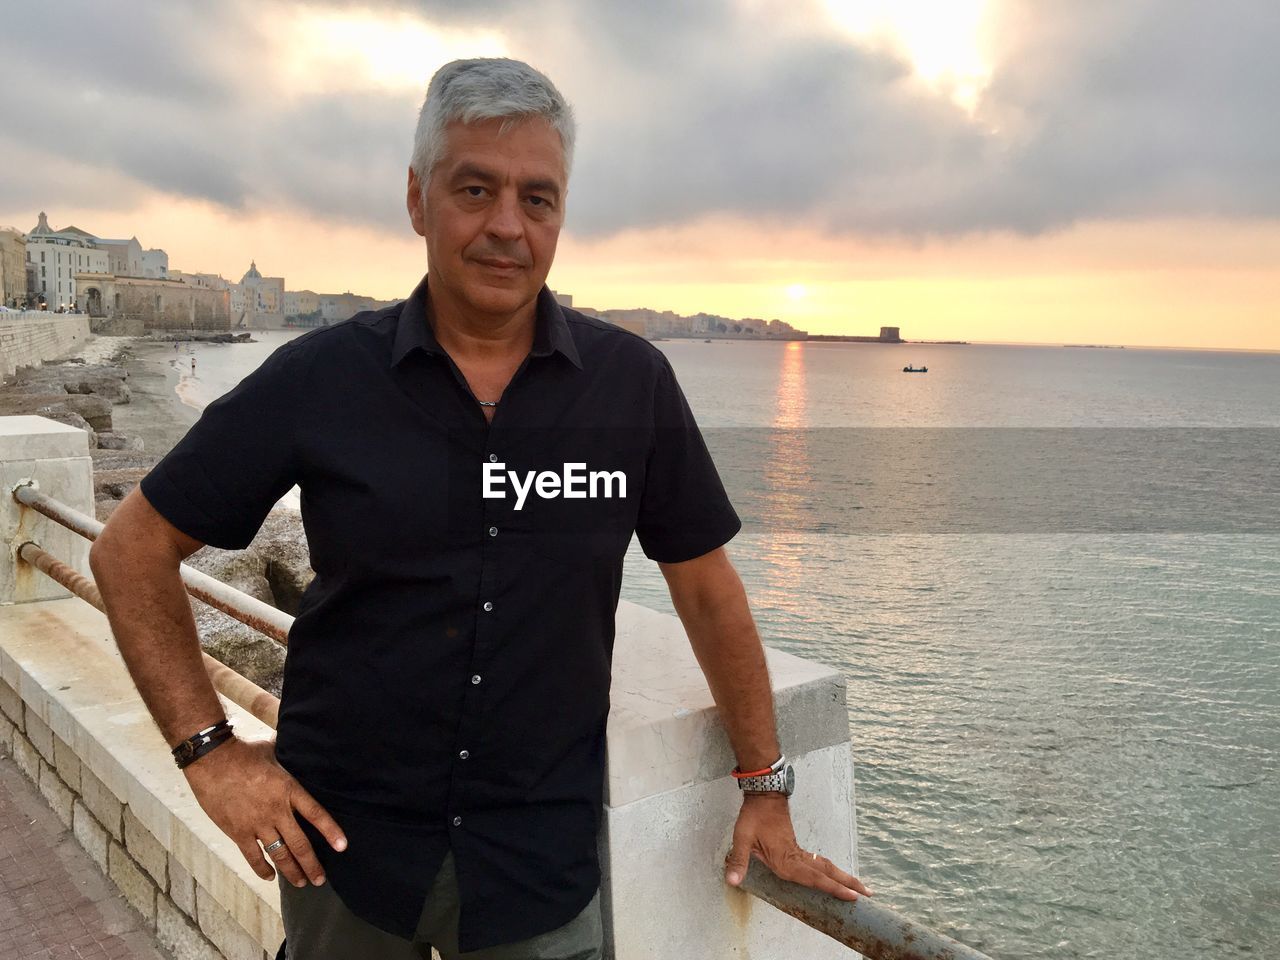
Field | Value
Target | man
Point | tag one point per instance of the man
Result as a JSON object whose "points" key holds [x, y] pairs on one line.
{"points": [[439, 756]]}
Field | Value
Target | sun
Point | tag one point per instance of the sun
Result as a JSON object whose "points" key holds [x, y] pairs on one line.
{"points": [[797, 291], [943, 40]]}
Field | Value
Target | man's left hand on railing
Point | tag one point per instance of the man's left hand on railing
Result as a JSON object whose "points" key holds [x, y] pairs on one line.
{"points": [[764, 829]]}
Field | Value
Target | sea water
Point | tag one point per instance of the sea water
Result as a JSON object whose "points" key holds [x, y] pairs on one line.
{"points": [[1065, 726]]}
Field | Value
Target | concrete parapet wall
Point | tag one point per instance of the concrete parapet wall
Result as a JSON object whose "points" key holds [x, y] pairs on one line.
{"points": [[33, 338], [670, 804], [72, 719]]}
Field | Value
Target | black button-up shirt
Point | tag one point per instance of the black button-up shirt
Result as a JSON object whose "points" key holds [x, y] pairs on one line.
{"points": [[447, 677]]}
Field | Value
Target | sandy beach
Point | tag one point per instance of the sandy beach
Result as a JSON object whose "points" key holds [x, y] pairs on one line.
{"points": [[156, 414]]}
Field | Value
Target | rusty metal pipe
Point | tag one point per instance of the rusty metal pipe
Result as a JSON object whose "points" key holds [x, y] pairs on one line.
{"points": [[236, 688], [875, 931], [65, 574], [251, 611]]}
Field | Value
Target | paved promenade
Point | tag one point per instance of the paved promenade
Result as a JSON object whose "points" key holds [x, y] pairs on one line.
{"points": [[55, 904]]}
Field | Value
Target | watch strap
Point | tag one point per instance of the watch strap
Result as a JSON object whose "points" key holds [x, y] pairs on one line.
{"points": [[769, 780]]}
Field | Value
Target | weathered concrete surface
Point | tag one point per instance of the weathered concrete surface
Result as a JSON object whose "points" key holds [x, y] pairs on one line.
{"points": [[57, 457]]}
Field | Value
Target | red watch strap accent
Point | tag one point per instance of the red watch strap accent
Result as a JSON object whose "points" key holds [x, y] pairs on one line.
{"points": [[757, 773]]}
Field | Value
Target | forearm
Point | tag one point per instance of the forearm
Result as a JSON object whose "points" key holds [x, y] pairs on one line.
{"points": [[150, 616], [727, 646]]}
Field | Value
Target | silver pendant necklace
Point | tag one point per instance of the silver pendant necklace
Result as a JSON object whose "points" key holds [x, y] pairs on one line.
{"points": [[487, 403]]}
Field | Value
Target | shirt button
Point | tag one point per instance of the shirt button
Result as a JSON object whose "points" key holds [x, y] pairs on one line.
{"points": [[493, 531], [488, 605], [463, 754], [457, 821], [475, 678], [493, 458]]}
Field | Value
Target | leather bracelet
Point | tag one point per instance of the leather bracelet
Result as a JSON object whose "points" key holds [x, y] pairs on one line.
{"points": [[201, 742]]}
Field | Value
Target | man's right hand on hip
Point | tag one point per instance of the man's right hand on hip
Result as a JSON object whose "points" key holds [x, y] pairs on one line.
{"points": [[251, 798]]}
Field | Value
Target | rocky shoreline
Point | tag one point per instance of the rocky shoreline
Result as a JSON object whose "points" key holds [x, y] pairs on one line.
{"points": [[121, 391]]}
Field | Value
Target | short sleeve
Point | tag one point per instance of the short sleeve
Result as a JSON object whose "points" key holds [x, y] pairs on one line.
{"points": [[223, 477], [684, 510]]}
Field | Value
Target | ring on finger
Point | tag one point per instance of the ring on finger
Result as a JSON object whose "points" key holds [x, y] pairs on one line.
{"points": [[274, 846]]}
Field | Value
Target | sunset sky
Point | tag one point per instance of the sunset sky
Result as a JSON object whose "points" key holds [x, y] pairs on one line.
{"points": [[1015, 170]]}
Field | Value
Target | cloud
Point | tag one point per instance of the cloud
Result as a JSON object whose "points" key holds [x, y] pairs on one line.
{"points": [[756, 109]]}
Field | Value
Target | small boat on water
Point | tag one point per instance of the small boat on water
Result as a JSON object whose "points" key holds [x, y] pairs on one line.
{"points": [[910, 369]]}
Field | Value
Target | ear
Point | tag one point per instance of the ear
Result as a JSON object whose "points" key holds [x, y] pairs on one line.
{"points": [[413, 202]]}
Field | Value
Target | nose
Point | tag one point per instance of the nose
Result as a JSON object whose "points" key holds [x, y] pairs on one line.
{"points": [[504, 220]]}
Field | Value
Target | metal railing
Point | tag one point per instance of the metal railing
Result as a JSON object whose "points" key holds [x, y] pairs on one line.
{"points": [[874, 930], [878, 932], [250, 611]]}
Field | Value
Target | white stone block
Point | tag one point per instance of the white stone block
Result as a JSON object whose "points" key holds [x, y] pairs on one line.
{"points": [[223, 931], [40, 735], [664, 728], [671, 804], [665, 859], [27, 757], [180, 936], [66, 762], [102, 803], [132, 881], [92, 835], [56, 793], [56, 457], [11, 704], [146, 849], [182, 888]]}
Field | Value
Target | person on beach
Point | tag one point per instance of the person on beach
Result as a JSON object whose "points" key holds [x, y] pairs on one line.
{"points": [[437, 773]]}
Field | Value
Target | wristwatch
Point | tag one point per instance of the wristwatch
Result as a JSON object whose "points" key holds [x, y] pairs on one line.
{"points": [[780, 777]]}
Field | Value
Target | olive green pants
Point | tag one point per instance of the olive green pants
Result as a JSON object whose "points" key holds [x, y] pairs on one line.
{"points": [[318, 926]]}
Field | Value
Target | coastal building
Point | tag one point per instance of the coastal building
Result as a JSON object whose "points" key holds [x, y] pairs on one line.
{"points": [[666, 323], [301, 303], [155, 263], [122, 306], [340, 306], [209, 281], [890, 335], [13, 267], [124, 257], [127, 258], [59, 255], [258, 301], [627, 323], [648, 323]]}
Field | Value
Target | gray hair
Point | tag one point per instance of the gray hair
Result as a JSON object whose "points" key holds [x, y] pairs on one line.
{"points": [[487, 89]]}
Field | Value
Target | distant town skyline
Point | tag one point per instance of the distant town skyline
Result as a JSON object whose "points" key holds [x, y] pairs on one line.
{"points": [[986, 170]]}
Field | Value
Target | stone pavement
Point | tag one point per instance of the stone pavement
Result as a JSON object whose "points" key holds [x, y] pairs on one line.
{"points": [[55, 904]]}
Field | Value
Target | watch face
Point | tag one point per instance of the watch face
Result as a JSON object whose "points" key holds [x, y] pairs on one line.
{"points": [[789, 779]]}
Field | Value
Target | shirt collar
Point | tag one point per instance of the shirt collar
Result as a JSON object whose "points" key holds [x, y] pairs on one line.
{"points": [[415, 328]]}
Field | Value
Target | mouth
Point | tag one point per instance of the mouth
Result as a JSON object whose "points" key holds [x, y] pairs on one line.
{"points": [[498, 265]]}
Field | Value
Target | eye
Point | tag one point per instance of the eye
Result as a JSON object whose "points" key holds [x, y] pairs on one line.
{"points": [[474, 190]]}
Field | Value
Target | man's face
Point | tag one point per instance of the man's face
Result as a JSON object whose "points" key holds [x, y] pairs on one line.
{"points": [[491, 213]]}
